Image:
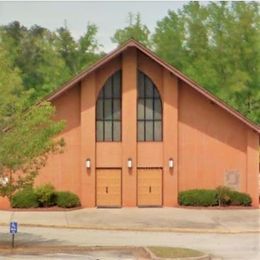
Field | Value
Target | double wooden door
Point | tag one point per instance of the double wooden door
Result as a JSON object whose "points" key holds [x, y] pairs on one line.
{"points": [[109, 187]]}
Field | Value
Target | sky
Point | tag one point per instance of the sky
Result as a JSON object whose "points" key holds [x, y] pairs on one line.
{"points": [[107, 15]]}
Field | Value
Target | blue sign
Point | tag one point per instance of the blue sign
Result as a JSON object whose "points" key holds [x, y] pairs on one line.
{"points": [[13, 227]]}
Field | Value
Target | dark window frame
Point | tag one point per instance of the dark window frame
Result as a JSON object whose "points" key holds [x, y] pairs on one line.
{"points": [[102, 97], [155, 97]]}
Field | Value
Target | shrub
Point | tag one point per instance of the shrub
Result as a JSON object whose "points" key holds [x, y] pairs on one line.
{"points": [[46, 195], [240, 198], [66, 199], [223, 194], [25, 198], [220, 196], [198, 197]]}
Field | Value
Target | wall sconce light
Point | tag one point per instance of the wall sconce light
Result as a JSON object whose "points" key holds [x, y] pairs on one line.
{"points": [[88, 163], [171, 163], [129, 163]]}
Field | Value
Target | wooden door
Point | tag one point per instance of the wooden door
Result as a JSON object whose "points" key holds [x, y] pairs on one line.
{"points": [[149, 190], [108, 187]]}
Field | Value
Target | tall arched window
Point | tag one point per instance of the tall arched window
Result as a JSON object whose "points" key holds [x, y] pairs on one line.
{"points": [[149, 112], [108, 110]]}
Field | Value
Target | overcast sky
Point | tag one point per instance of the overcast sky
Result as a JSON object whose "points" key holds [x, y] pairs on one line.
{"points": [[108, 16]]}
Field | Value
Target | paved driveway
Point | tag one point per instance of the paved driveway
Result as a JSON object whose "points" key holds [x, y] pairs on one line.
{"points": [[152, 219], [222, 246]]}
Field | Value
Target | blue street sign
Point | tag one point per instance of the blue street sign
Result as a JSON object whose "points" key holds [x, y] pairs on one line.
{"points": [[13, 227]]}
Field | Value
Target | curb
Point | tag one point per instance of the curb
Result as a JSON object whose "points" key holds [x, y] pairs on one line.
{"points": [[154, 257], [176, 230]]}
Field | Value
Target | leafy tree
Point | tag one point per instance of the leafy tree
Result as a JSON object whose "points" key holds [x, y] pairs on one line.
{"points": [[88, 47], [181, 38], [26, 132], [81, 53], [244, 40], [169, 40], [135, 30], [67, 47], [47, 59], [33, 52], [216, 45]]}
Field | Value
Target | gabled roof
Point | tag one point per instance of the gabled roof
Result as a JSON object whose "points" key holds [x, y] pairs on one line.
{"points": [[174, 71]]}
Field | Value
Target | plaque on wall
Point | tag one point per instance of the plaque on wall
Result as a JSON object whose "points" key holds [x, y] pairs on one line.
{"points": [[232, 179]]}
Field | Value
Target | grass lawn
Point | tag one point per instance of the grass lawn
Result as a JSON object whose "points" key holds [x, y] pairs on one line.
{"points": [[174, 252]]}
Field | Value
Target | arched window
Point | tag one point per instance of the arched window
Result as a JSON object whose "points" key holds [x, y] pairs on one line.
{"points": [[108, 110], [149, 112]]}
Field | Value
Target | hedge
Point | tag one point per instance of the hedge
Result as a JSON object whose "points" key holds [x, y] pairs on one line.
{"points": [[66, 199], [222, 196], [240, 198], [198, 198], [44, 196], [226, 196]]}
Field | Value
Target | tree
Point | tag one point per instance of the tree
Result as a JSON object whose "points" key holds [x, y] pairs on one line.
{"points": [[47, 59], [169, 40], [135, 30], [67, 47], [26, 131], [78, 54], [33, 52], [216, 45], [43, 69], [88, 47]]}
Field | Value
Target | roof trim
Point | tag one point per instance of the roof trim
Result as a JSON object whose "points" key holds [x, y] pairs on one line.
{"points": [[140, 47]]}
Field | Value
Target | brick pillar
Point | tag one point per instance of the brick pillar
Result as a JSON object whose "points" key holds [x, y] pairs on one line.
{"points": [[88, 140], [129, 96], [170, 138], [252, 166]]}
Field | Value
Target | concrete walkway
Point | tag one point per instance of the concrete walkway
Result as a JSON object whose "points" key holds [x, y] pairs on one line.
{"points": [[142, 219]]}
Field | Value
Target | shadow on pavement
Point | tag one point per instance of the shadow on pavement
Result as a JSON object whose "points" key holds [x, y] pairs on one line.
{"points": [[26, 240], [30, 249]]}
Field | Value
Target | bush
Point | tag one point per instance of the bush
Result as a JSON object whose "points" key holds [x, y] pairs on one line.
{"points": [[198, 197], [240, 198], [220, 196], [46, 195], [66, 199], [223, 194], [24, 199]]}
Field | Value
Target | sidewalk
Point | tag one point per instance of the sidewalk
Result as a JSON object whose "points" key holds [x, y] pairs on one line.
{"points": [[143, 219]]}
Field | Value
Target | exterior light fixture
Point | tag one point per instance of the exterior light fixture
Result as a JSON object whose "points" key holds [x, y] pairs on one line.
{"points": [[171, 163], [129, 163], [88, 163]]}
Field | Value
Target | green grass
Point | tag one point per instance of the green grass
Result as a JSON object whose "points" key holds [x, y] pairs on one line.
{"points": [[174, 252]]}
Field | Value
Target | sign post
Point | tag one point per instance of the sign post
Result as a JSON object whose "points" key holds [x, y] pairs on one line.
{"points": [[13, 231]]}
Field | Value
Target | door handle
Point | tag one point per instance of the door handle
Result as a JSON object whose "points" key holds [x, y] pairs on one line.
{"points": [[150, 189], [106, 189]]}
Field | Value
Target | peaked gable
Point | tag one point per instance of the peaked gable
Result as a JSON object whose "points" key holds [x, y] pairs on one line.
{"points": [[171, 69]]}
